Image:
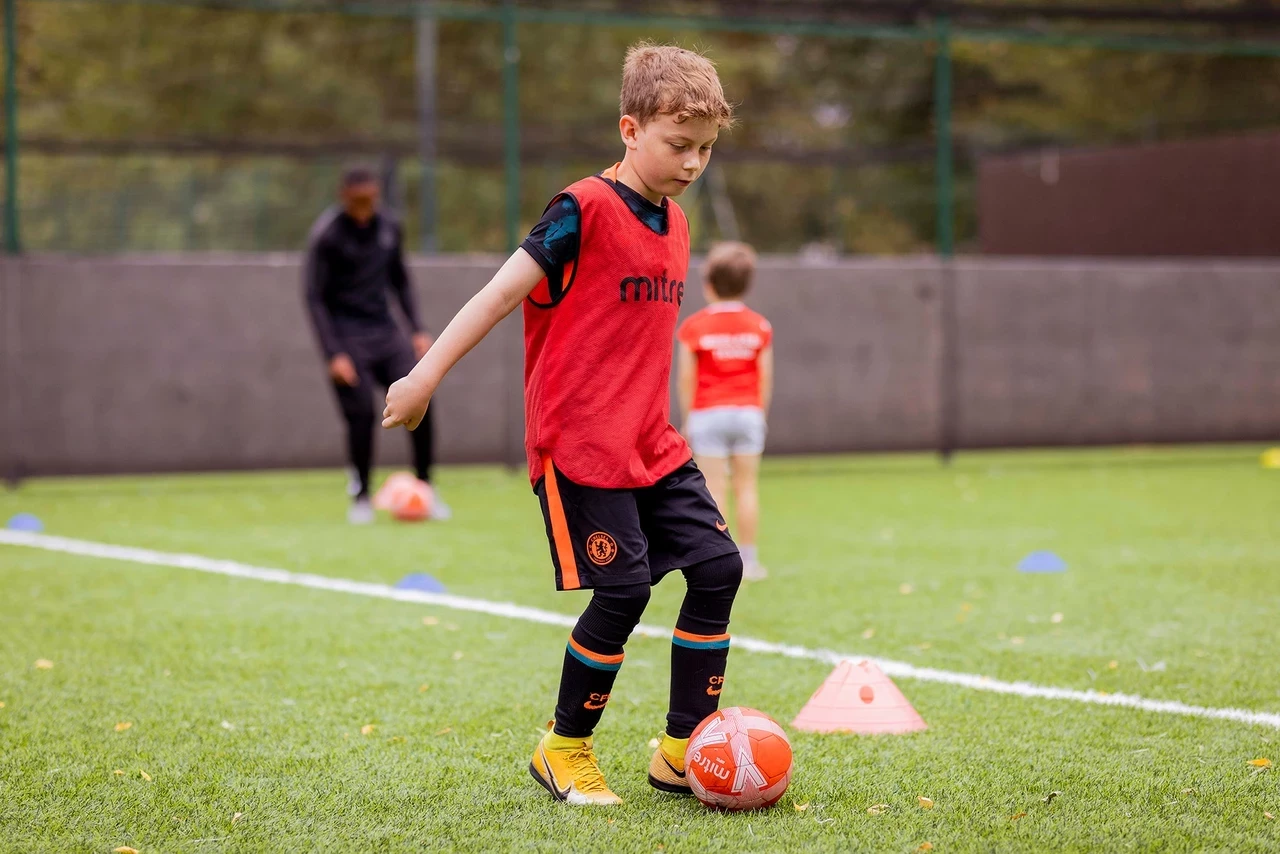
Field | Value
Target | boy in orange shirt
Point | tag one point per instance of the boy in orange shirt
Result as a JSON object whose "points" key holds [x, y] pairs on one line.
{"points": [[725, 382]]}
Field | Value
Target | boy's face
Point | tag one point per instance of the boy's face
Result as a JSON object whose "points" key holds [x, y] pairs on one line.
{"points": [[669, 155]]}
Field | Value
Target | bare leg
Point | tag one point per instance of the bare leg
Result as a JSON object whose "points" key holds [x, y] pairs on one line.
{"points": [[745, 470], [716, 472]]}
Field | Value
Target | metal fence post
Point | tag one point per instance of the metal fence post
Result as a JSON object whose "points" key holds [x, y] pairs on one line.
{"points": [[12, 239], [426, 43], [948, 373], [944, 179], [511, 119]]}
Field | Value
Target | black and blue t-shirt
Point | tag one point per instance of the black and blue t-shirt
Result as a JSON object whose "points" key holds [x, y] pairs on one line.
{"points": [[554, 241]]}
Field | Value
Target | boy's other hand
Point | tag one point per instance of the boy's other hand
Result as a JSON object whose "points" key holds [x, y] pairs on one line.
{"points": [[421, 344], [406, 404], [343, 371]]}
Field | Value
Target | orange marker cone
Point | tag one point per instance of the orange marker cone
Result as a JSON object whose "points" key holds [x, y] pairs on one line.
{"points": [[858, 698]]}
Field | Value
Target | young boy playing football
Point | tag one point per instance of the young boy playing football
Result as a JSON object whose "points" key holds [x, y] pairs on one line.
{"points": [[724, 381], [601, 278]]}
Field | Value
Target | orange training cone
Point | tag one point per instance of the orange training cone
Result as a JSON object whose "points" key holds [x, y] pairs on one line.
{"points": [[858, 698]]}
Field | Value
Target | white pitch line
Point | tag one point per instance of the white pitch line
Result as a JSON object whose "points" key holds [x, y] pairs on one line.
{"points": [[900, 669]]}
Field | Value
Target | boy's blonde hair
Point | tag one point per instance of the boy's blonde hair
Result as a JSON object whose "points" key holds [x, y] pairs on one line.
{"points": [[729, 269], [669, 80]]}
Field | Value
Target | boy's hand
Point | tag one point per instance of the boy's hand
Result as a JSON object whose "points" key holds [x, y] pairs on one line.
{"points": [[406, 404]]}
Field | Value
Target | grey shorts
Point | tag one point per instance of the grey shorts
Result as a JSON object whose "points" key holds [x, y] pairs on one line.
{"points": [[727, 431]]}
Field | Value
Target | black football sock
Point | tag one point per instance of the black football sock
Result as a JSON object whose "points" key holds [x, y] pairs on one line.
{"points": [[700, 644], [594, 656]]}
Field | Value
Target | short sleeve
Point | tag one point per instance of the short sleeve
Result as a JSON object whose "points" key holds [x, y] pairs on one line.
{"points": [[554, 241], [766, 333], [687, 334]]}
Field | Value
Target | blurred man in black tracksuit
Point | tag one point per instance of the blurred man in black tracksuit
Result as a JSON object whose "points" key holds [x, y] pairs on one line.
{"points": [[355, 262]]}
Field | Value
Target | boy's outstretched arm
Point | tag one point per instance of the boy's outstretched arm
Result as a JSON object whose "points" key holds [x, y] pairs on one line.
{"points": [[407, 398]]}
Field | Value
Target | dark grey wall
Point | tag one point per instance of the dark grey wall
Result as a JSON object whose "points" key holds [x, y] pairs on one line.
{"points": [[154, 363], [1115, 352]]}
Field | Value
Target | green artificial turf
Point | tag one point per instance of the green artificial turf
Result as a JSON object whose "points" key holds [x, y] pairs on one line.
{"points": [[253, 698]]}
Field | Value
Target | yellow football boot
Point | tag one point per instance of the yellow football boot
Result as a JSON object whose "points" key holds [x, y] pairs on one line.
{"points": [[666, 770], [567, 768]]}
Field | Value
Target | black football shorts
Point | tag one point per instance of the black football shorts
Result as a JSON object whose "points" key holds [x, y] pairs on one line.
{"points": [[613, 537]]}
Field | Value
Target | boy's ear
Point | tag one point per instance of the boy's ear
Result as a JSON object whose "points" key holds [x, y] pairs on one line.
{"points": [[630, 130]]}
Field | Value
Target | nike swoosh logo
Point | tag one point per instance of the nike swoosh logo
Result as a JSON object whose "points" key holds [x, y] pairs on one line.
{"points": [[673, 768], [714, 692], [721, 526], [562, 794], [592, 707]]}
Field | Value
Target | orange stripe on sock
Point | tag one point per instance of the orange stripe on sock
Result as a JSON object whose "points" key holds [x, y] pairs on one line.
{"points": [[560, 529], [595, 656], [690, 636]]}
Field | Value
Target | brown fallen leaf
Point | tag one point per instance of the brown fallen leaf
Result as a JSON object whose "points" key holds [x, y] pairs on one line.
{"points": [[801, 807], [925, 846], [877, 809], [366, 729], [1, 705], [1112, 665], [1049, 798], [430, 621], [118, 772], [1268, 816], [423, 687], [145, 775], [1018, 816], [237, 817], [123, 725], [1260, 763], [445, 731], [44, 664], [926, 803], [124, 849], [906, 589]]}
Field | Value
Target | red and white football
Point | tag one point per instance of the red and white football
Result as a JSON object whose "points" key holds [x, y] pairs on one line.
{"points": [[738, 759]]}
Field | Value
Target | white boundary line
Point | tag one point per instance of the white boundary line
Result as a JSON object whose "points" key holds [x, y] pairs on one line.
{"points": [[899, 669]]}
